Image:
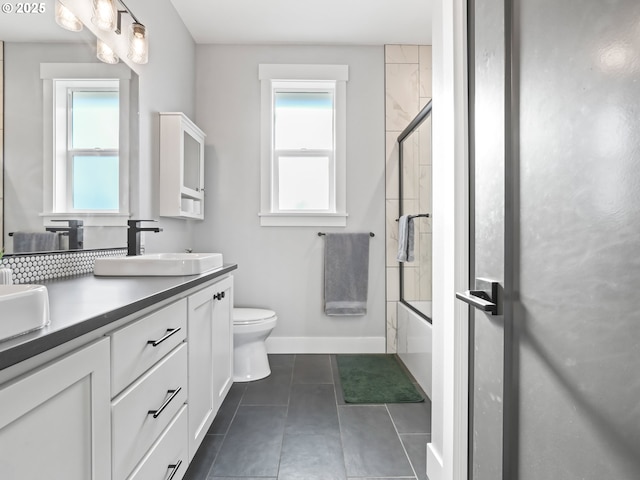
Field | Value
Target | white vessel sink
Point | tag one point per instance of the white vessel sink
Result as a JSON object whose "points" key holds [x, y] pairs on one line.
{"points": [[23, 309], [157, 264]]}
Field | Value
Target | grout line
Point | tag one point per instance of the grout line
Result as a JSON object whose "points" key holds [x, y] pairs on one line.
{"points": [[401, 442], [335, 395], [286, 415], [224, 435]]}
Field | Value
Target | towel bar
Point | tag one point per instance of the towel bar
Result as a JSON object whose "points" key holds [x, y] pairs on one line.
{"points": [[426, 215], [320, 234]]}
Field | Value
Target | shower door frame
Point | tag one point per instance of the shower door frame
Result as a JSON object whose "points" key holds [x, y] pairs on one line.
{"points": [[413, 126]]}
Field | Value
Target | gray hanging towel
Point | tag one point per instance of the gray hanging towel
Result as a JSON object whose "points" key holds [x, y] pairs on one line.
{"points": [[405, 239], [24, 242], [346, 273]]}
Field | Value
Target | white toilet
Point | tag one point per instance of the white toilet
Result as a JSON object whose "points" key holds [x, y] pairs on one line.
{"points": [[251, 327]]}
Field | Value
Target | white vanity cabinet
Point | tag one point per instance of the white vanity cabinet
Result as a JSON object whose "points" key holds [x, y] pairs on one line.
{"points": [[132, 401], [210, 339], [176, 362], [54, 421], [181, 167]]}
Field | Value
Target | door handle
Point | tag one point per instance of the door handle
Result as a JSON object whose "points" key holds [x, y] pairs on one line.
{"points": [[484, 297]]}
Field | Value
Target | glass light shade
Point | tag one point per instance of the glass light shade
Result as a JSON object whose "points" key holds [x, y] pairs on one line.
{"points": [[105, 14], [105, 53], [138, 43], [66, 19]]}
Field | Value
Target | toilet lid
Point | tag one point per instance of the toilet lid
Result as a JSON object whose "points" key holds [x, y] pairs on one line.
{"points": [[246, 316]]}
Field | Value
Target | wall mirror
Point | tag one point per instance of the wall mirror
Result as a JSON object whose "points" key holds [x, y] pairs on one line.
{"points": [[69, 135]]}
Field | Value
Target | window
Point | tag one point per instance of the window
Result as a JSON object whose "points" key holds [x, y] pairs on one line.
{"points": [[303, 145], [87, 162], [89, 124]]}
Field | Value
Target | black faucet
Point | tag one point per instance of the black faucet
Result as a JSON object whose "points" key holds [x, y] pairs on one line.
{"points": [[75, 232], [133, 235]]}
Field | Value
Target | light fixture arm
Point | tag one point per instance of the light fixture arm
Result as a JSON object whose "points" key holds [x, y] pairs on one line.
{"points": [[120, 12]]}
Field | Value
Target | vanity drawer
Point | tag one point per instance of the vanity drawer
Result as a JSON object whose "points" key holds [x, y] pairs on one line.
{"points": [[139, 345], [143, 411], [168, 455]]}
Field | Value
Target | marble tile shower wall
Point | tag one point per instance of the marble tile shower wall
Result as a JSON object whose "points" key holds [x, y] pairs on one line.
{"points": [[39, 267], [407, 90]]}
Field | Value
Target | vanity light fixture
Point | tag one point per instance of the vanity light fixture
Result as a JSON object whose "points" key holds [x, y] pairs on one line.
{"points": [[138, 37], [105, 53], [104, 14], [66, 19]]}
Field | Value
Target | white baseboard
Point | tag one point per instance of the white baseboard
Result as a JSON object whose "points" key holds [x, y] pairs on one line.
{"points": [[326, 345], [435, 465]]}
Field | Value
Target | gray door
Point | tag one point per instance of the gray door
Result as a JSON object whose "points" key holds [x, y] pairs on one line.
{"points": [[555, 148]]}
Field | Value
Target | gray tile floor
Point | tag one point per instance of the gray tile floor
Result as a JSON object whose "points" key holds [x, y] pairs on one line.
{"points": [[294, 425]]}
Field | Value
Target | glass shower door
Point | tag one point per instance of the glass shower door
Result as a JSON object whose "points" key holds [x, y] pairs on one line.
{"points": [[415, 201]]}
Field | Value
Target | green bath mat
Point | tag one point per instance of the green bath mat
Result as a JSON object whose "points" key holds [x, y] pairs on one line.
{"points": [[375, 379]]}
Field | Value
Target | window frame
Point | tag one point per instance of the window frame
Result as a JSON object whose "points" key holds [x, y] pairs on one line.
{"points": [[55, 205], [282, 77]]}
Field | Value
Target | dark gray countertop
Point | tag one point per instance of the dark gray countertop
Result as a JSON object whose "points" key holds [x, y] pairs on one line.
{"points": [[80, 305]]}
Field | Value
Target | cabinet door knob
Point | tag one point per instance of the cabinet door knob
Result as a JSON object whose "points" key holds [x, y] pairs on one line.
{"points": [[156, 413]]}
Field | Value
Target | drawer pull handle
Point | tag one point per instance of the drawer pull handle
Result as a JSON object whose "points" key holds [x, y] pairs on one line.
{"points": [[174, 469], [156, 413], [170, 332]]}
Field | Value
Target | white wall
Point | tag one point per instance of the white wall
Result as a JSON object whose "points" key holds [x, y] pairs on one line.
{"points": [[282, 267], [167, 84]]}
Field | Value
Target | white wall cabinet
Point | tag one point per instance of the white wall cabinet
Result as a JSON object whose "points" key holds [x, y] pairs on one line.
{"points": [[210, 339], [181, 167], [55, 421]]}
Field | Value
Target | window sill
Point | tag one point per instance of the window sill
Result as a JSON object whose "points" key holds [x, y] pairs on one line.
{"points": [[303, 219], [90, 219]]}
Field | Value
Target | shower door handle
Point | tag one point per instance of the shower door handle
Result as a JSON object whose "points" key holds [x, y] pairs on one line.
{"points": [[484, 297]]}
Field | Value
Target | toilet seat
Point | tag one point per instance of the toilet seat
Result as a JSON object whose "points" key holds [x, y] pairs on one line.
{"points": [[250, 316]]}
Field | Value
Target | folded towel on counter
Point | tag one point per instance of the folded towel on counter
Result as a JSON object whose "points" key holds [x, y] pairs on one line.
{"points": [[346, 273], [24, 242], [405, 239]]}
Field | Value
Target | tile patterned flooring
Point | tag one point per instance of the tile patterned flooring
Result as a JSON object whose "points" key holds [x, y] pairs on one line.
{"points": [[295, 425]]}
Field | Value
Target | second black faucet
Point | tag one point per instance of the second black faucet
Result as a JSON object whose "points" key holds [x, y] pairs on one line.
{"points": [[133, 235]]}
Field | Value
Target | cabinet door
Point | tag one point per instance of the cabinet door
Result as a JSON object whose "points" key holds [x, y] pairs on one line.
{"points": [[210, 344], [223, 341], [181, 167], [54, 422]]}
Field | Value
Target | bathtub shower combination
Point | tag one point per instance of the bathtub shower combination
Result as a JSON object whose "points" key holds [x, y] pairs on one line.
{"points": [[414, 308]]}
